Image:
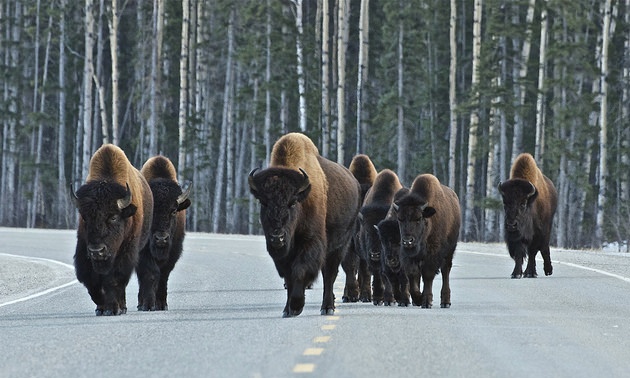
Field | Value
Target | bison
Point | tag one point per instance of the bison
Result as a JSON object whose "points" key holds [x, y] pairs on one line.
{"points": [[529, 200], [353, 265], [116, 209], [160, 254], [391, 263], [375, 208], [308, 208], [429, 218]]}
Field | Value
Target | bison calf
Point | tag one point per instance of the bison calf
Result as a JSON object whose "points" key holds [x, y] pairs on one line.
{"points": [[159, 255], [116, 208], [529, 201]]}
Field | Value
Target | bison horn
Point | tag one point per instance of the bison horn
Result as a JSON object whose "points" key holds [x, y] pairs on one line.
{"points": [[251, 179], [306, 182], [423, 207], [125, 201], [533, 190], [395, 206], [184, 196], [75, 199], [500, 187]]}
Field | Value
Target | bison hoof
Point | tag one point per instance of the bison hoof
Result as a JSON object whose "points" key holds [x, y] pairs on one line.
{"points": [[403, 304], [111, 312], [346, 299], [445, 305], [378, 302], [291, 313], [327, 311], [548, 272], [517, 276], [530, 275]]}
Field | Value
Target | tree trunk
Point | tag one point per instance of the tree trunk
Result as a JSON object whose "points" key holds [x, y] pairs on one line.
{"points": [[470, 220], [156, 47], [520, 74], [114, 20], [226, 118], [325, 79], [540, 101], [452, 97], [63, 216], [300, 64], [342, 43], [87, 88], [267, 131], [364, 44], [183, 88], [603, 127], [401, 158]]}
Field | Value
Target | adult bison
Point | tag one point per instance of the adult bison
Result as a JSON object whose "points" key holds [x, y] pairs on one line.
{"points": [[429, 218], [308, 208], [375, 208], [529, 200], [116, 208], [391, 263], [353, 265], [159, 255]]}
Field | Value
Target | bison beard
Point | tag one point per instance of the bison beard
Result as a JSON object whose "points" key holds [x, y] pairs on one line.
{"points": [[308, 207]]}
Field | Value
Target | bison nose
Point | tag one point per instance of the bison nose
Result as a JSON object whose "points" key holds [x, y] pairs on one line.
{"points": [[161, 238], [408, 241], [511, 224], [97, 251], [277, 238]]}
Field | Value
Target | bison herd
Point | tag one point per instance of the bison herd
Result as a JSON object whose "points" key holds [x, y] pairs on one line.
{"points": [[390, 240]]}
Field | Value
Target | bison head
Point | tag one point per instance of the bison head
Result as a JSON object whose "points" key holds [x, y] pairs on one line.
{"points": [[168, 201], [389, 235], [413, 213], [280, 192], [518, 196], [105, 210], [369, 243]]}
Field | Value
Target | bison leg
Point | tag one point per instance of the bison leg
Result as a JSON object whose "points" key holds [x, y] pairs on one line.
{"points": [[329, 275], [364, 282], [427, 290], [148, 275], [295, 299], [377, 288], [530, 270], [160, 296], [547, 260], [445, 294], [388, 298], [350, 265], [518, 253]]}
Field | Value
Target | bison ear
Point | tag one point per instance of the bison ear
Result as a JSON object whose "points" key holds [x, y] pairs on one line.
{"points": [[183, 205], [428, 212], [75, 199], [305, 187], [128, 211], [531, 196], [252, 184], [500, 187]]}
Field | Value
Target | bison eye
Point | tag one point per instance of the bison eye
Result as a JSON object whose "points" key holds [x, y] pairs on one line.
{"points": [[114, 219]]}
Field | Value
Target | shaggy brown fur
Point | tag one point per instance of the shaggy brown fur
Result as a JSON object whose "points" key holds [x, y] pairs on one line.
{"points": [[109, 235], [161, 253], [530, 200], [308, 211], [429, 217], [353, 265]]}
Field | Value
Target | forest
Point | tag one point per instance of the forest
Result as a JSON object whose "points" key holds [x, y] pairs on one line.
{"points": [[455, 88]]}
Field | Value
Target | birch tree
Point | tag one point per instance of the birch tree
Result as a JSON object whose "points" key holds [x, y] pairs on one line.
{"points": [[88, 74], [540, 99], [342, 43], [156, 52], [470, 223], [113, 21], [364, 44], [183, 88], [62, 197], [603, 127], [300, 64], [452, 96], [401, 158], [520, 72], [325, 79]]}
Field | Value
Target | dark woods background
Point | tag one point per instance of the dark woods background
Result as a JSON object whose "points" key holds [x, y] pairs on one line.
{"points": [[212, 84]]}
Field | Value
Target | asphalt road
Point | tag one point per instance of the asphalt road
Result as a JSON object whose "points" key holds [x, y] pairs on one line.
{"points": [[224, 319]]}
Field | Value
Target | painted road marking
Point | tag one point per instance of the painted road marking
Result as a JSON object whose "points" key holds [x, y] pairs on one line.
{"points": [[321, 339], [313, 351], [304, 368], [328, 327]]}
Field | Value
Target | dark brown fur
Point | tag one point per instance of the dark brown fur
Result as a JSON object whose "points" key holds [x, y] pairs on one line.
{"points": [[530, 200], [375, 207], [356, 268], [160, 254], [109, 237], [308, 209], [429, 218]]}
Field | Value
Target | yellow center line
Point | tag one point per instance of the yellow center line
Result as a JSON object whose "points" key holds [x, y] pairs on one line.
{"points": [[328, 327], [304, 368], [313, 351], [321, 339]]}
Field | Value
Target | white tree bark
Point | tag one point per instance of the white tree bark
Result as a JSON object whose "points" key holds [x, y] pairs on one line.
{"points": [[325, 79], [183, 88], [470, 221], [540, 100], [88, 74], [452, 97], [401, 142], [156, 56], [63, 220], [364, 44], [300, 64], [342, 43], [267, 131], [113, 20]]}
